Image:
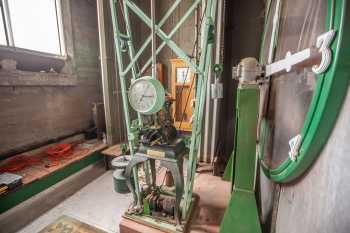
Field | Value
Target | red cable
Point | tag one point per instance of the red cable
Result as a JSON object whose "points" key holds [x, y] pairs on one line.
{"points": [[59, 151], [19, 163], [55, 154]]}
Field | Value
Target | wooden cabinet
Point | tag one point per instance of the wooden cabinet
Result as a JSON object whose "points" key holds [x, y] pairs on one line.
{"points": [[183, 91]]}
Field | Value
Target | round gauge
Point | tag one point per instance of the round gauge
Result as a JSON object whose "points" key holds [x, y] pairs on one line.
{"points": [[299, 107], [146, 95]]}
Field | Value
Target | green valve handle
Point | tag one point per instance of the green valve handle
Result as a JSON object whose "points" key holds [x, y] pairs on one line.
{"points": [[218, 68]]}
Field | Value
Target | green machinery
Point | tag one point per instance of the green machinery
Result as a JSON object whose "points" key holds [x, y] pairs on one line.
{"points": [[156, 140], [146, 96], [321, 51]]}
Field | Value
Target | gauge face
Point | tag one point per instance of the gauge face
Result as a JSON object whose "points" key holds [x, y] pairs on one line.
{"points": [[146, 95], [287, 97]]}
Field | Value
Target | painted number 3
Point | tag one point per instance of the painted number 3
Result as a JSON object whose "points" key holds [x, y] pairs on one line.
{"points": [[323, 43]]}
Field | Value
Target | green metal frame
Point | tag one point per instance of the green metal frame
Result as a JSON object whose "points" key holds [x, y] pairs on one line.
{"points": [[329, 94], [201, 69], [241, 215], [25, 192]]}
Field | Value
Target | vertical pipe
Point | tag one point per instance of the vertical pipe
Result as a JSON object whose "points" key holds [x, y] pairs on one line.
{"points": [[104, 71], [206, 120], [220, 23], [153, 32]]}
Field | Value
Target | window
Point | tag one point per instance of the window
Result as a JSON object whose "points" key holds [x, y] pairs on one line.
{"points": [[32, 24]]}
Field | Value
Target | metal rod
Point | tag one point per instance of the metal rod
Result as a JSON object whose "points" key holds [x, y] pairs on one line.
{"points": [[104, 72], [218, 59], [153, 34]]}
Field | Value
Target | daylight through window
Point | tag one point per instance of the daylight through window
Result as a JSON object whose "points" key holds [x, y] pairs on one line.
{"points": [[32, 24]]}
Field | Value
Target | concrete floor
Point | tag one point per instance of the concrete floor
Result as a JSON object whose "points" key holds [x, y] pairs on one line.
{"points": [[96, 204], [89, 197]]}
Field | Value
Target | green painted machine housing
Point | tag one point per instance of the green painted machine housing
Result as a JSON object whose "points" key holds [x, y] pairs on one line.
{"points": [[332, 87], [200, 67]]}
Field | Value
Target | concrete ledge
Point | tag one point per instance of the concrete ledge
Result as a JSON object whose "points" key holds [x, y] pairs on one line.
{"points": [[26, 78], [15, 197]]}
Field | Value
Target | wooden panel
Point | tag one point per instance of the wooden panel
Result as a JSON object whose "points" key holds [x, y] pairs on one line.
{"points": [[113, 151], [183, 91]]}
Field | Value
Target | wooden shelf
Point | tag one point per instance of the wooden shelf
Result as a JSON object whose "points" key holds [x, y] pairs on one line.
{"points": [[36, 172], [113, 151], [37, 178]]}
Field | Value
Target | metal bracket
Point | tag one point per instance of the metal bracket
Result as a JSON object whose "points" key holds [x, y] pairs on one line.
{"points": [[217, 91], [249, 70]]}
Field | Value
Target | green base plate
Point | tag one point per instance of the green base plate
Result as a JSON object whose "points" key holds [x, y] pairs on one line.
{"points": [[241, 215]]}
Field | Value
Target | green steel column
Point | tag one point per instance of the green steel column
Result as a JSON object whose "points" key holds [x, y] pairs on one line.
{"points": [[131, 136], [245, 151], [241, 215], [131, 51], [204, 64]]}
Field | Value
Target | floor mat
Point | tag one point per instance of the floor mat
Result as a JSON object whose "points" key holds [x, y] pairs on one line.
{"points": [[66, 224]]}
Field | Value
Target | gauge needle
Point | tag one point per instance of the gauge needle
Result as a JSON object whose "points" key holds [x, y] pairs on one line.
{"points": [[145, 96]]}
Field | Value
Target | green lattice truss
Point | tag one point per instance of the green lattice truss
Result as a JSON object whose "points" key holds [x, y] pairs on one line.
{"points": [[201, 68]]}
